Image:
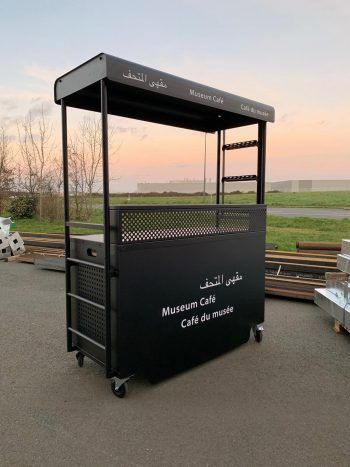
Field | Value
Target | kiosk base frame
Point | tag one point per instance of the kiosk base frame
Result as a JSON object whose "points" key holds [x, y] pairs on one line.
{"points": [[186, 286]]}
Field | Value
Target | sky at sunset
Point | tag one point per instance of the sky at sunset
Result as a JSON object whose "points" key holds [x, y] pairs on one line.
{"points": [[293, 55]]}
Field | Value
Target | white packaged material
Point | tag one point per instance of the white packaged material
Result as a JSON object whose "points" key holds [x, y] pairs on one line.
{"points": [[347, 320], [343, 263], [333, 305], [5, 252], [335, 298], [16, 244], [5, 224], [345, 247], [4, 241]]}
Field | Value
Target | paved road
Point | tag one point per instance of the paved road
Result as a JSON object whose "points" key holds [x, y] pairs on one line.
{"points": [[311, 212], [284, 402]]}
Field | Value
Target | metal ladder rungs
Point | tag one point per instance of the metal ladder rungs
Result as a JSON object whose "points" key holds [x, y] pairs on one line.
{"points": [[84, 225], [239, 178], [80, 334], [85, 300], [241, 145], [85, 263]]}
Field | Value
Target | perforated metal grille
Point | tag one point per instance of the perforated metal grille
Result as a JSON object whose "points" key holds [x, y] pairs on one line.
{"points": [[163, 223], [91, 322], [90, 285]]}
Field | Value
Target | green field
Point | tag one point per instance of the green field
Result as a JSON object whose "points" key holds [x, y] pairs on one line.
{"points": [[329, 199], [286, 231], [283, 231]]}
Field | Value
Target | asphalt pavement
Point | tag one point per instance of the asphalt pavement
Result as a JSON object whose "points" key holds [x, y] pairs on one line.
{"points": [[284, 402], [323, 213]]}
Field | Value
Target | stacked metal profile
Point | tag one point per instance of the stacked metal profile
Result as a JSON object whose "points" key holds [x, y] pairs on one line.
{"points": [[335, 298]]}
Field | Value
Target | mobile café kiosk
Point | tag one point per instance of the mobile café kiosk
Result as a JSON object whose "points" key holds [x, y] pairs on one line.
{"points": [[165, 287]]}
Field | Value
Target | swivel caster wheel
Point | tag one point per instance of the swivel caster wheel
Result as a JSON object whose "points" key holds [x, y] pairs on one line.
{"points": [[80, 357], [120, 391], [258, 335]]}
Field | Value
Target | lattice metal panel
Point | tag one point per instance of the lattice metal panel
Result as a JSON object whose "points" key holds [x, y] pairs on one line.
{"points": [[90, 285], [164, 223]]}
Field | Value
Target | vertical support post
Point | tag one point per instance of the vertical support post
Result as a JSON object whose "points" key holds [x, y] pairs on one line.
{"points": [[106, 222], [223, 168], [66, 221], [205, 166], [218, 161], [260, 192]]}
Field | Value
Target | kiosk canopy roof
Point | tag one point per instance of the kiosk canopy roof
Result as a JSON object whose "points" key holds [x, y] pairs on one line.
{"points": [[136, 91]]}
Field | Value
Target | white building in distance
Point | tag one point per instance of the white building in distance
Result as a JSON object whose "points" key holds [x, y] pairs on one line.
{"points": [[286, 186]]}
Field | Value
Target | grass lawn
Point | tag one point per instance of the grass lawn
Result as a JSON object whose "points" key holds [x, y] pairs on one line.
{"points": [[34, 225], [57, 226], [286, 231], [326, 199], [281, 230]]}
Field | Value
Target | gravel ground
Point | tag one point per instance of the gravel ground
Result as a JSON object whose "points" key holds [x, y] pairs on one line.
{"points": [[285, 401]]}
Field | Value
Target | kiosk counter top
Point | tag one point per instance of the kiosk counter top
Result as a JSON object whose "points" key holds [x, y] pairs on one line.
{"points": [[137, 91], [131, 224]]}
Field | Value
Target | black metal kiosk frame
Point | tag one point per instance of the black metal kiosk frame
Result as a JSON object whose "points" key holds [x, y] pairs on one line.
{"points": [[113, 317]]}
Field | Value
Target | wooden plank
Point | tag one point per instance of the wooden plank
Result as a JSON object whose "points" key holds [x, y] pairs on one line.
{"points": [[339, 328], [295, 280], [320, 252], [49, 252], [44, 242], [42, 235], [289, 293], [25, 258], [298, 254], [339, 276], [316, 259], [299, 268]]}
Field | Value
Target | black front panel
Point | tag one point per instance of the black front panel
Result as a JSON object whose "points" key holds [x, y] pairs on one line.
{"points": [[187, 284], [183, 302]]}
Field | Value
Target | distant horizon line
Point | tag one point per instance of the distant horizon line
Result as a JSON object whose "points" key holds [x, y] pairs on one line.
{"points": [[209, 180]]}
